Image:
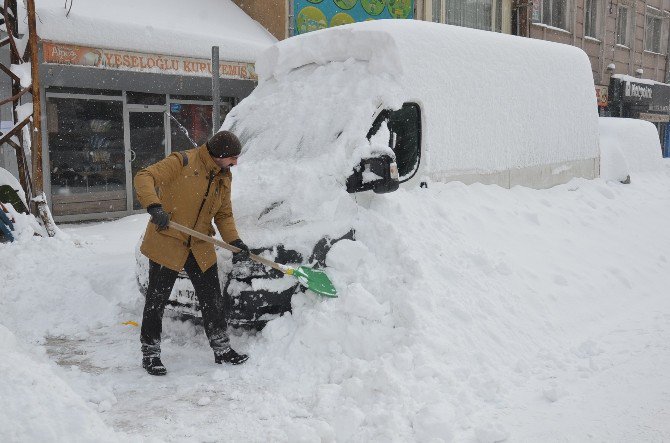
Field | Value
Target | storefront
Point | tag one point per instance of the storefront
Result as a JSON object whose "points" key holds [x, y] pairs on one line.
{"points": [[108, 114], [631, 97]]}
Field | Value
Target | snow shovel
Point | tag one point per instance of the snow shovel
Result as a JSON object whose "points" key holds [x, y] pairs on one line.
{"points": [[313, 279]]}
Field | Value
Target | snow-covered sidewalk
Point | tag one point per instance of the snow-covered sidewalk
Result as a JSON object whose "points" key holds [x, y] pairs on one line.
{"points": [[466, 313]]}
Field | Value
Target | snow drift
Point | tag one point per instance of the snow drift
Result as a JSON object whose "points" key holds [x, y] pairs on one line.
{"points": [[466, 313], [37, 404]]}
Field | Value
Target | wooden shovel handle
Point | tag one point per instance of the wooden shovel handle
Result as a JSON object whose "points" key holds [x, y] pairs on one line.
{"points": [[225, 245]]}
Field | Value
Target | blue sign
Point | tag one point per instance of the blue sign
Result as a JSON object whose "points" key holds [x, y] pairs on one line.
{"points": [[311, 15]]}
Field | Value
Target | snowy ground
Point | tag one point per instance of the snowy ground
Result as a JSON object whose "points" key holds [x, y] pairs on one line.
{"points": [[467, 313]]}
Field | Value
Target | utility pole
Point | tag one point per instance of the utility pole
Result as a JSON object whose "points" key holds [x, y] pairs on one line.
{"points": [[216, 91]]}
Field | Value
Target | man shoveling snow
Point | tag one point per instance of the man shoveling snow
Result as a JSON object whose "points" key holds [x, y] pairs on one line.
{"points": [[181, 178]]}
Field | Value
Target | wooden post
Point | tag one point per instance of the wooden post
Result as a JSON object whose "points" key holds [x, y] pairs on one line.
{"points": [[36, 136], [39, 203]]}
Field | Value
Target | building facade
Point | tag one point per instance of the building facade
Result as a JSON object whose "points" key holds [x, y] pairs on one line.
{"points": [[628, 37]]}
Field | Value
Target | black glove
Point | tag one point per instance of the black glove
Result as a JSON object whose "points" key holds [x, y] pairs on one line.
{"points": [[243, 254], [158, 216]]}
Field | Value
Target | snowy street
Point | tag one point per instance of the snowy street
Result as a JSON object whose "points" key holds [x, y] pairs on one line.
{"points": [[418, 227], [480, 314]]}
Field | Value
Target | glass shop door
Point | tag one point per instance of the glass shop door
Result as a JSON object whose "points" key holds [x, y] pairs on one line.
{"points": [[147, 142]]}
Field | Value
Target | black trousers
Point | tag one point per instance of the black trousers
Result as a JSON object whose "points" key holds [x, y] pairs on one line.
{"points": [[208, 292]]}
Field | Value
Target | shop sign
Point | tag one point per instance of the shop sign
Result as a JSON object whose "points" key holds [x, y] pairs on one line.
{"points": [[311, 15], [654, 118], [638, 91], [601, 95], [65, 54]]}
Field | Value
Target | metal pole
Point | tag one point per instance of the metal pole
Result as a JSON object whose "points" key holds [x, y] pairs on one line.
{"points": [[216, 91]]}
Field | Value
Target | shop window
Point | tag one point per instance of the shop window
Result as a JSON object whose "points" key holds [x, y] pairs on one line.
{"points": [[654, 31], [553, 13], [144, 98], [86, 155], [591, 18], [478, 14], [196, 119], [622, 26], [147, 142], [475, 14], [437, 11]]}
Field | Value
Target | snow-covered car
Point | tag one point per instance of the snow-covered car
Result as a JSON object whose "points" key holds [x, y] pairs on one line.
{"points": [[345, 114], [628, 146], [253, 294]]}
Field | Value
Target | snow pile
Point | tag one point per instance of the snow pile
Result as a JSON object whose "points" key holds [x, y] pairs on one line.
{"points": [[37, 404], [25, 225], [516, 317], [297, 168], [628, 146], [6, 178], [155, 26], [22, 71], [77, 302], [443, 314]]}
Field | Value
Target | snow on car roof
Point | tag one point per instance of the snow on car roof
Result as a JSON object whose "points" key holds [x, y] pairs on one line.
{"points": [[636, 139], [492, 101], [156, 26]]}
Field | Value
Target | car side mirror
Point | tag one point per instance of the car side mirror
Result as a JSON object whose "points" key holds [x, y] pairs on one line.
{"points": [[379, 174]]}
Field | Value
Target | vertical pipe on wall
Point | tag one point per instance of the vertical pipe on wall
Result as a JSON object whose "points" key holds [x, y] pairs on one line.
{"points": [[603, 39], [666, 76], [633, 37], [573, 7], [290, 28]]}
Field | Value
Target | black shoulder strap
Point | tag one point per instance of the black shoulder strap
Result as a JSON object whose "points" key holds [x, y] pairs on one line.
{"points": [[184, 158]]}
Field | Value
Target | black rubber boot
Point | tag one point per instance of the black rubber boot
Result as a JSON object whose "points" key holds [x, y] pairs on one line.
{"points": [[230, 356], [153, 365]]}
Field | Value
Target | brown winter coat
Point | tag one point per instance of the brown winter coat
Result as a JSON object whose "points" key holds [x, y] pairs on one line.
{"points": [[180, 189]]}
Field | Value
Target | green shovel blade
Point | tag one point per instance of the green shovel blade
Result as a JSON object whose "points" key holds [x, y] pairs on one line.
{"points": [[315, 280]]}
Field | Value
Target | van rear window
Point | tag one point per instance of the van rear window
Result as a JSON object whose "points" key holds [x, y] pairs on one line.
{"points": [[405, 123]]}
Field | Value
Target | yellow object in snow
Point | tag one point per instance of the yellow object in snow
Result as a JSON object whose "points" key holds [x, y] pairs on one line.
{"points": [[130, 323]]}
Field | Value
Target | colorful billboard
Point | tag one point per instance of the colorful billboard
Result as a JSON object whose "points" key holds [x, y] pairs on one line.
{"points": [[311, 15]]}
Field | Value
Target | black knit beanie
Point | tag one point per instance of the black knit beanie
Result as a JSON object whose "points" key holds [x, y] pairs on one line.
{"points": [[224, 144]]}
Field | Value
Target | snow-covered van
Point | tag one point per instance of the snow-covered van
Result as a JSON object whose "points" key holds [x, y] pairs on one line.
{"points": [[628, 146], [344, 114]]}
